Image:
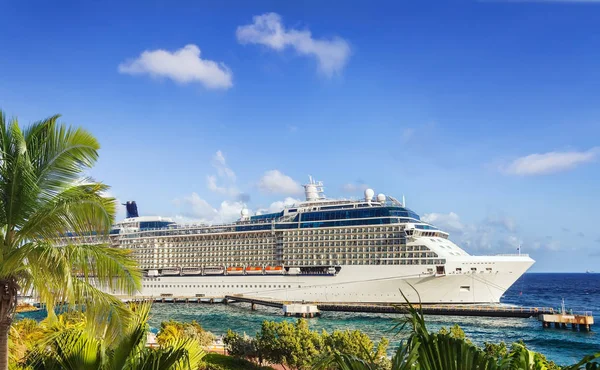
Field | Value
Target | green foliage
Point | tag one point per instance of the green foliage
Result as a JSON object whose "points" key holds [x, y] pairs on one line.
{"points": [[290, 344], [44, 196], [70, 345], [296, 346], [241, 346], [214, 361], [358, 344], [454, 332], [450, 350], [24, 336], [499, 350], [172, 330]]}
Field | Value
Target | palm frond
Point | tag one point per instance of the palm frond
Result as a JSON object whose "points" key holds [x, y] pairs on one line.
{"points": [[107, 270], [79, 209], [60, 153], [134, 339]]}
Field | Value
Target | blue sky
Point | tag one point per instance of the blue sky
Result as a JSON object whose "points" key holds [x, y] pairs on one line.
{"points": [[484, 114]]}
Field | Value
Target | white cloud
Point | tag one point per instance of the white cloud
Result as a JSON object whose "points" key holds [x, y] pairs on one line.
{"points": [[501, 221], [551, 162], [182, 66], [275, 182], [224, 173], [195, 209], [121, 210], [279, 205], [220, 164], [212, 185], [449, 222], [267, 29], [493, 235]]}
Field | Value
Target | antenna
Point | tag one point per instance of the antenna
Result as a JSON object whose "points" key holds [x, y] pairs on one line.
{"points": [[403, 201]]}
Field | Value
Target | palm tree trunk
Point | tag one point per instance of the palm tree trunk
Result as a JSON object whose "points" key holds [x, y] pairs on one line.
{"points": [[8, 304], [4, 329]]}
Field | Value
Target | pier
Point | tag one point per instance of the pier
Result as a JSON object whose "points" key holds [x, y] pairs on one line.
{"points": [[560, 320], [564, 318], [546, 315]]}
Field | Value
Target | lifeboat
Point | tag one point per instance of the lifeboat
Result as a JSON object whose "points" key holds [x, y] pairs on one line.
{"points": [[214, 270], [191, 271], [254, 270], [274, 270], [171, 271], [235, 270]]}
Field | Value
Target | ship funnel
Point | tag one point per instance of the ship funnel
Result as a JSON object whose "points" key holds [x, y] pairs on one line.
{"points": [[132, 210]]}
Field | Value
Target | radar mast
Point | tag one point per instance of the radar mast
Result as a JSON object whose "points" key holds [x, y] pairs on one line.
{"points": [[314, 190]]}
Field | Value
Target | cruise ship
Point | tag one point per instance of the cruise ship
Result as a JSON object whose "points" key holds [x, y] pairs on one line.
{"points": [[369, 250]]}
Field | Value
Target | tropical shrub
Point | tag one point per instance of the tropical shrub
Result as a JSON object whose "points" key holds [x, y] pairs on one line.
{"points": [[70, 345], [449, 350], [289, 344], [241, 346], [172, 330]]}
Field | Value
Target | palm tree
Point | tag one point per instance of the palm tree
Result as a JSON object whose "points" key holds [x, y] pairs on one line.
{"points": [[73, 348], [429, 351], [43, 196]]}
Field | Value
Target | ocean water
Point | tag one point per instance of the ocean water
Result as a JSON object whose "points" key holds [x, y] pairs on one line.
{"points": [[580, 291]]}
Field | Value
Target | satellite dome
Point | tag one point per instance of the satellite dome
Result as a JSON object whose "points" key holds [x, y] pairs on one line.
{"points": [[369, 193], [381, 198], [245, 212]]}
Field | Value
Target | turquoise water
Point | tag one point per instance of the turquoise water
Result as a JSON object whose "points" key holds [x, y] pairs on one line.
{"points": [[581, 292]]}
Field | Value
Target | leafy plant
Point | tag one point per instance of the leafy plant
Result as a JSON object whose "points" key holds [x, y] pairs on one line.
{"points": [[173, 330], [448, 350], [44, 196], [73, 347]]}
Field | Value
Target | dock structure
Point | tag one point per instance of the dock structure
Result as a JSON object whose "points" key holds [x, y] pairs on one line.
{"points": [[582, 321], [301, 310], [442, 309], [546, 315]]}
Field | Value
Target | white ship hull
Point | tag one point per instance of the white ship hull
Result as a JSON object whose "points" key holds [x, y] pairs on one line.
{"points": [[361, 284]]}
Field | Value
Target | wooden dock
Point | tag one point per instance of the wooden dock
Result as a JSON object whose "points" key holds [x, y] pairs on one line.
{"points": [[583, 321]]}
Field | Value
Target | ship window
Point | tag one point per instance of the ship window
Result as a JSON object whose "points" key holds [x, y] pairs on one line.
{"points": [[473, 268], [465, 288]]}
